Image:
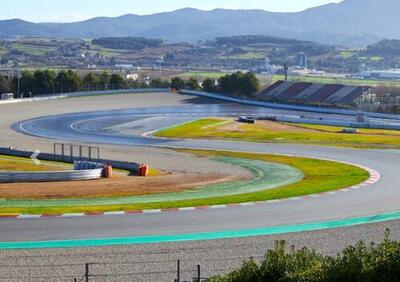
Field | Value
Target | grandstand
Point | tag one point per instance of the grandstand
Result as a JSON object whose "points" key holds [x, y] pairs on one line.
{"points": [[313, 93]]}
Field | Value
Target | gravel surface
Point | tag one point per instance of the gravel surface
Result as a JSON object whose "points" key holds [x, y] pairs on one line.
{"points": [[157, 262]]}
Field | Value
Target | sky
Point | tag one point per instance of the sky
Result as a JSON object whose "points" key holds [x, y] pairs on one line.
{"points": [[76, 10]]}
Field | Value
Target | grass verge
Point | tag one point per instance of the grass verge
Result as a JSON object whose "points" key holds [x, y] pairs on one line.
{"points": [[10, 163], [275, 132], [319, 176]]}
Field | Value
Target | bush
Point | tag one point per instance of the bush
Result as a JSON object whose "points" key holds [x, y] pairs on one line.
{"points": [[356, 263]]}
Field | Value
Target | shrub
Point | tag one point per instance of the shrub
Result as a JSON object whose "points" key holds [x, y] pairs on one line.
{"points": [[355, 263]]}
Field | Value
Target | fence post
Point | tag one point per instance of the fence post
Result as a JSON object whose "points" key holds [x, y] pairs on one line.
{"points": [[86, 272], [63, 151], [178, 272], [198, 273]]}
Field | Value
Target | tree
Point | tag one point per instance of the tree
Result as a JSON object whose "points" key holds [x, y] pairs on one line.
{"points": [[68, 81], [91, 81], [209, 85], [193, 84], [5, 84], [117, 81], [239, 83], [44, 82], [159, 83], [250, 84], [104, 80], [177, 83]]}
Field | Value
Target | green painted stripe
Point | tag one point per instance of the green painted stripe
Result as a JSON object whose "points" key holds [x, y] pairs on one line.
{"points": [[201, 236]]}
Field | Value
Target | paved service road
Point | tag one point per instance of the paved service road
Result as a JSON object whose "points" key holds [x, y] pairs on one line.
{"points": [[125, 127]]}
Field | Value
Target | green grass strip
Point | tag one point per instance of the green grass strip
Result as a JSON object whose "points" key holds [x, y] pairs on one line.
{"points": [[211, 128], [319, 176]]}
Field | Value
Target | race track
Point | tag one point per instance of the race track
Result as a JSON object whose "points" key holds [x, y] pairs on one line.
{"points": [[129, 127]]}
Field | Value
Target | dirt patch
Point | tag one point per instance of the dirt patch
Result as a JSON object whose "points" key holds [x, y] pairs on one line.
{"points": [[232, 127], [121, 185], [276, 126]]}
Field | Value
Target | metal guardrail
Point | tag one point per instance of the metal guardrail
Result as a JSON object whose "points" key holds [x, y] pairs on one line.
{"points": [[50, 176], [289, 107], [130, 166], [290, 119]]}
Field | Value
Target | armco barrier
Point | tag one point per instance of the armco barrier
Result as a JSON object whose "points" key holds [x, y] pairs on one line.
{"points": [[51, 176], [130, 166], [290, 119], [83, 93], [288, 107]]}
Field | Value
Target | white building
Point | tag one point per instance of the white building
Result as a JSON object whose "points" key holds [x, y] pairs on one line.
{"points": [[379, 74]]}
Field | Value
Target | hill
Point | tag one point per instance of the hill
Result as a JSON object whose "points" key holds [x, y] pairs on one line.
{"points": [[349, 23], [385, 48]]}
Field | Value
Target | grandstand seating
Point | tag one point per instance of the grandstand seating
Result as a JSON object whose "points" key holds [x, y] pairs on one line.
{"points": [[352, 96], [292, 91], [322, 94], [277, 90], [302, 96], [305, 92], [271, 87], [342, 93]]}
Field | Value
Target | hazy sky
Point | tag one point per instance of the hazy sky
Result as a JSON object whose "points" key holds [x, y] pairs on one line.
{"points": [[75, 10]]}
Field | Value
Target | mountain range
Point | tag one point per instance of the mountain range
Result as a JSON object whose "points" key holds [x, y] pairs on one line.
{"points": [[350, 23]]}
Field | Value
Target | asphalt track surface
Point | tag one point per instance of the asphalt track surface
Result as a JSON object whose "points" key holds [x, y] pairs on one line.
{"points": [[127, 127]]}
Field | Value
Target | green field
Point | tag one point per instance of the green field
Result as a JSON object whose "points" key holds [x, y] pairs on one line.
{"points": [[202, 75], [217, 128], [9, 163], [34, 49], [319, 176], [360, 82]]}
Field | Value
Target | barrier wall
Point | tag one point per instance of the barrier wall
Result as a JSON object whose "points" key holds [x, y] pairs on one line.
{"points": [[288, 107], [83, 93], [327, 122], [130, 166], [51, 176]]}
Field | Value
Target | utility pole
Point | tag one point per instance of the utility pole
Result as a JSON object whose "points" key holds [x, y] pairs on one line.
{"points": [[18, 83], [286, 70]]}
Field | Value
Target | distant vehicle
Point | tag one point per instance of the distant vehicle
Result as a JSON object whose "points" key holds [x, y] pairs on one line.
{"points": [[350, 130], [7, 96]]}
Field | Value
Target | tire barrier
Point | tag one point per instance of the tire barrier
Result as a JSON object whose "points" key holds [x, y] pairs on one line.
{"points": [[74, 175], [78, 165], [129, 166], [143, 170]]}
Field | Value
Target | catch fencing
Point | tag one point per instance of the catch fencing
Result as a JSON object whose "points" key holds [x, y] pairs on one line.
{"points": [[289, 107], [83, 93]]}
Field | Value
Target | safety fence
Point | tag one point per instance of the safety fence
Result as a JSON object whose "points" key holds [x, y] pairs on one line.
{"points": [[330, 122], [288, 107], [83, 93]]}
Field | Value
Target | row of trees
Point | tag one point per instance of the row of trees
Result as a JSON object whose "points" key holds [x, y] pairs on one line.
{"points": [[236, 84], [47, 81]]}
